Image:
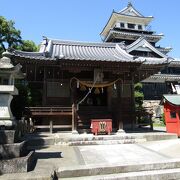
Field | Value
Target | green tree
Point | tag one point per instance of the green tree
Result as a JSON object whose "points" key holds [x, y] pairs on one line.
{"points": [[138, 95], [28, 46], [9, 36]]}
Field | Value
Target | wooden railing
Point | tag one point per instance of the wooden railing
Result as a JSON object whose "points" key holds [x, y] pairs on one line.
{"points": [[54, 111], [50, 111]]}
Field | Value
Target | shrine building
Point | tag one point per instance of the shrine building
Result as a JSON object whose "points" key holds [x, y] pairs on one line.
{"points": [[75, 82]]}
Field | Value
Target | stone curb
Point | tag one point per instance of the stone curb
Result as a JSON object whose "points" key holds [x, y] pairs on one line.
{"points": [[92, 170], [143, 175]]}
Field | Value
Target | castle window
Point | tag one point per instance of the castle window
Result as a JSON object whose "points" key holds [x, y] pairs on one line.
{"points": [[122, 25], [139, 27], [131, 26]]}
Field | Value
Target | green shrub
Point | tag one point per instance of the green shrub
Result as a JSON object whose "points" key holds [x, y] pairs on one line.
{"points": [[138, 96]]}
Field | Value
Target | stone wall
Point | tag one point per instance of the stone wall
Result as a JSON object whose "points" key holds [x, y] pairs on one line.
{"points": [[153, 108]]}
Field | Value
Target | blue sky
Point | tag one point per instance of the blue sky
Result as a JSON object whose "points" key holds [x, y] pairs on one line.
{"points": [[83, 20]]}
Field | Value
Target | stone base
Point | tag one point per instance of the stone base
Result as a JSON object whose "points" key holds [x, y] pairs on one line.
{"points": [[7, 136], [75, 132], [7, 123], [120, 131], [17, 165], [15, 150]]}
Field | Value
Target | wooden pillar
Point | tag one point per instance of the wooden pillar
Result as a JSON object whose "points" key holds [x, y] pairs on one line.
{"points": [[35, 72], [44, 88], [120, 121], [74, 109], [74, 119], [109, 98], [133, 115], [51, 126]]}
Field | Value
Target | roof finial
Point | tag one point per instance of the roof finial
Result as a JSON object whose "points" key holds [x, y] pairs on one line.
{"points": [[129, 4]]}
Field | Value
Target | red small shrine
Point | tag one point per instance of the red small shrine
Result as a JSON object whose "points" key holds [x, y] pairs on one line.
{"points": [[172, 113]]}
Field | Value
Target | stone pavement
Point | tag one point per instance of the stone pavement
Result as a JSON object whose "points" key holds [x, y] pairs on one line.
{"points": [[56, 157]]}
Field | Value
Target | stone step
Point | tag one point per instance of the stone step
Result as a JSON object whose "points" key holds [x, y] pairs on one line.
{"points": [[166, 174], [100, 140], [126, 170], [107, 142], [103, 137], [89, 139], [159, 136]]}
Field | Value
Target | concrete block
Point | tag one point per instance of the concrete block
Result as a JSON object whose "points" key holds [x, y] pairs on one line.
{"points": [[17, 165], [8, 151]]}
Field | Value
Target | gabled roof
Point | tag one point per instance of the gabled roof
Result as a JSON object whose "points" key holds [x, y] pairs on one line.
{"points": [[144, 44], [130, 10]]}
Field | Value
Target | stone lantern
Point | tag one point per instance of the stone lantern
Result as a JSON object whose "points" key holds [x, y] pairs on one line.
{"points": [[8, 73]]}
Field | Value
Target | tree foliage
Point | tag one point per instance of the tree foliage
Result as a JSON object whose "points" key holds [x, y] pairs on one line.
{"points": [[28, 46], [10, 37], [138, 95]]}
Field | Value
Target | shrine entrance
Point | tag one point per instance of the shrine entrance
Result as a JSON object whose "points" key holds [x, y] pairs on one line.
{"points": [[93, 102], [97, 97]]}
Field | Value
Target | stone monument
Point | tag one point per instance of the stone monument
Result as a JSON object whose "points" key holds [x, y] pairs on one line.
{"points": [[8, 72]]}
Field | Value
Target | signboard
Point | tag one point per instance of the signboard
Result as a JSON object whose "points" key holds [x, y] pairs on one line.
{"points": [[4, 113]]}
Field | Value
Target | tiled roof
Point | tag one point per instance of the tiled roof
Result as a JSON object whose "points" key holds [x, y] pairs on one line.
{"points": [[162, 78], [166, 76], [30, 55], [164, 49], [153, 61], [138, 35], [52, 49], [71, 50], [87, 51], [175, 63]]}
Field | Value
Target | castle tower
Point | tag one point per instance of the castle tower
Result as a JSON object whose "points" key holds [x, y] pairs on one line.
{"points": [[129, 26]]}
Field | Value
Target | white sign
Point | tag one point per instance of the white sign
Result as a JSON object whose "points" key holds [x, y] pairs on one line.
{"points": [[4, 113]]}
